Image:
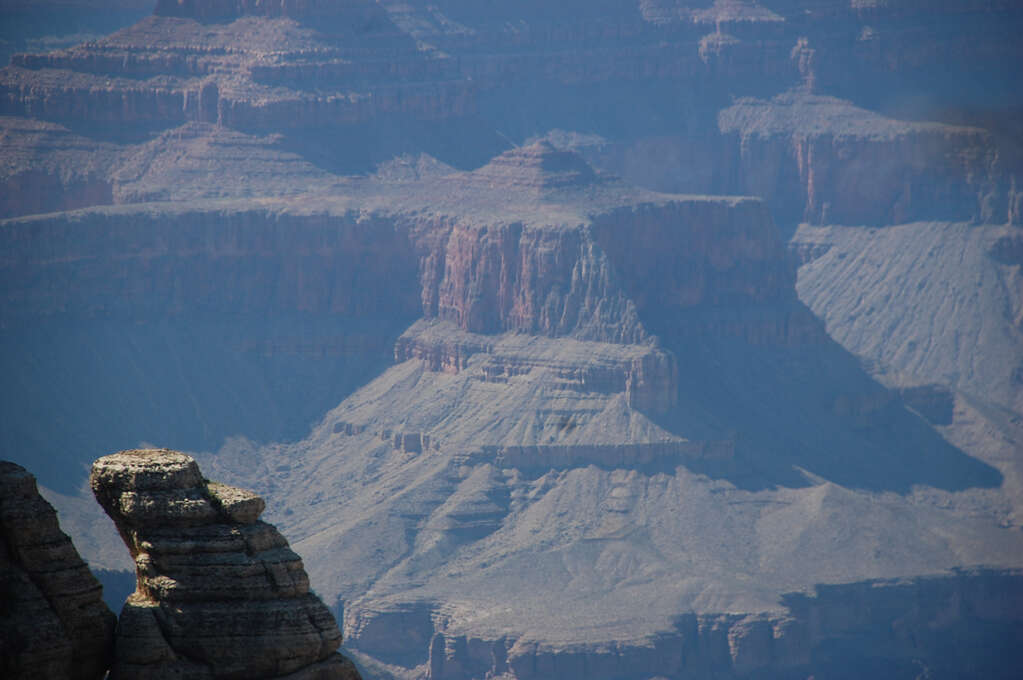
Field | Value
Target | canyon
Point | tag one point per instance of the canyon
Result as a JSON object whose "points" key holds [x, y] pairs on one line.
{"points": [[614, 339]]}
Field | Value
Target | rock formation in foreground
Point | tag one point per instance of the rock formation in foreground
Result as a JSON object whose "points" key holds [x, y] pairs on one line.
{"points": [[53, 622], [219, 593]]}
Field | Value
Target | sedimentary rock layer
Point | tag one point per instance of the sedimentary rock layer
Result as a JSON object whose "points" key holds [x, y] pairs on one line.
{"points": [[219, 593], [647, 375], [931, 621], [829, 162], [319, 68], [533, 242], [53, 623]]}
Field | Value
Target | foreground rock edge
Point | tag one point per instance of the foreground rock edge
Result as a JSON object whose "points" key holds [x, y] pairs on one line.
{"points": [[219, 593], [53, 622]]}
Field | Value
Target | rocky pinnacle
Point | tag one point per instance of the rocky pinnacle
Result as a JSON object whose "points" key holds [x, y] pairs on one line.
{"points": [[219, 593]]}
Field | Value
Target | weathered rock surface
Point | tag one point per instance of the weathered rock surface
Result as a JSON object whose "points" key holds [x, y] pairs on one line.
{"points": [[926, 621], [647, 375], [219, 593], [924, 302], [828, 162], [237, 64], [534, 242], [53, 622], [333, 77], [463, 569]]}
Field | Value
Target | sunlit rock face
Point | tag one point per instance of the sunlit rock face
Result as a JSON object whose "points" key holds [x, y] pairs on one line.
{"points": [[219, 593]]}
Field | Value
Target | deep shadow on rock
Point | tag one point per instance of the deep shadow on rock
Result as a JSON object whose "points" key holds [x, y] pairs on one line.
{"points": [[812, 409], [53, 623]]}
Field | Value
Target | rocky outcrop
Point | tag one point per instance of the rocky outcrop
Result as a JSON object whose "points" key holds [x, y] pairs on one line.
{"points": [[584, 266], [53, 622], [720, 267], [219, 593], [244, 64], [615, 420], [48, 168], [550, 282]]}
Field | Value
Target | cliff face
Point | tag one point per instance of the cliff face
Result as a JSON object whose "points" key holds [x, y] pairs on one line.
{"points": [[48, 168], [54, 621], [219, 593], [831, 163], [361, 12], [929, 621], [707, 270], [532, 280], [208, 262], [245, 65], [581, 262]]}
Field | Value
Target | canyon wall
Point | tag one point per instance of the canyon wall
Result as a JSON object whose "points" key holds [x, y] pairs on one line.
{"points": [[708, 269], [155, 263], [364, 11], [892, 627], [830, 163], [324, 70], [584, 270], [615, 420], [877, 292]]}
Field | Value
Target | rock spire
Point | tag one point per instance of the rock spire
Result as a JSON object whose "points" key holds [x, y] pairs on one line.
{"points": [[219, 594]]}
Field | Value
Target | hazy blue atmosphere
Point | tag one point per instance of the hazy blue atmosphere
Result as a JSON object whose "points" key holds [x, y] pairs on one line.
{"points": [[615, 339]]}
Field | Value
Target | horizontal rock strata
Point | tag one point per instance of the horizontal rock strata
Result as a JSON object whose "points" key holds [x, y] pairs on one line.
{"points": [[534, 242], [929, 620], [219, 594], [646, 374], [829, 162], [53, 622]]}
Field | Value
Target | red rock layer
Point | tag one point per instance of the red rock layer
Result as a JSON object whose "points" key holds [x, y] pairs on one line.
{"points": [[705, 268]]}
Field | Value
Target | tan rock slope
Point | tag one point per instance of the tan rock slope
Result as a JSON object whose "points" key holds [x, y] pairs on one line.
{"points": [[219, 593], [53, 622]]}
